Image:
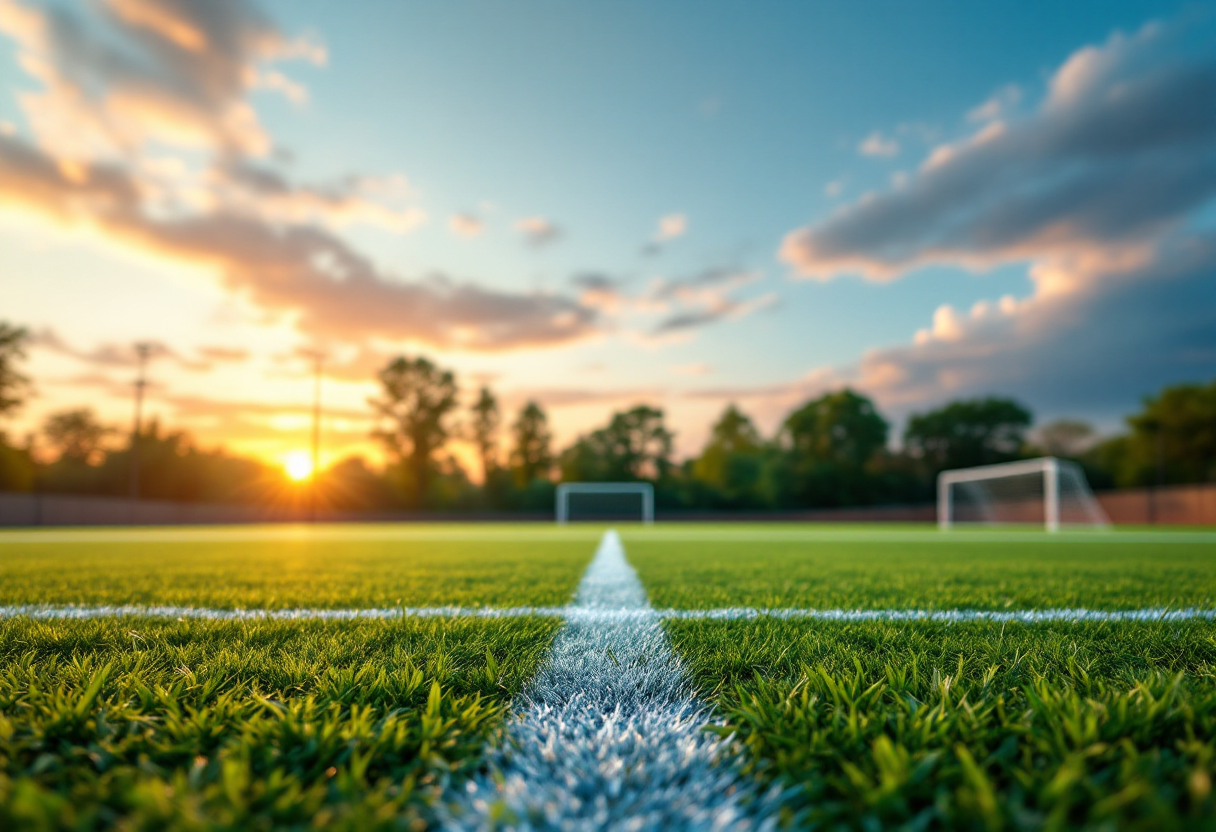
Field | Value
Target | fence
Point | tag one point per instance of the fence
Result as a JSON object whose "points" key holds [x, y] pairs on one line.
{"points": [[1178, 505], [1171, 505], [65, 510]]}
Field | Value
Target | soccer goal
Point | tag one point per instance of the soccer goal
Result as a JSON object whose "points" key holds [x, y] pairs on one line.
{"points": [[1049, 492], [605, 501]]}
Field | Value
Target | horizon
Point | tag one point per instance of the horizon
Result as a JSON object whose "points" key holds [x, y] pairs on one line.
{"points": [[597, 207]]}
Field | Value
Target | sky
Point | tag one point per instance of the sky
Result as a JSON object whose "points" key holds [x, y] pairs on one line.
{"points": [[601, 205]]}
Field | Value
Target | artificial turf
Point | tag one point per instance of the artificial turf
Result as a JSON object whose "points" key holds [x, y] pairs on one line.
{"points": [[327, 568], [154, 723], [137, 723], [968, 726], [923, 571]]}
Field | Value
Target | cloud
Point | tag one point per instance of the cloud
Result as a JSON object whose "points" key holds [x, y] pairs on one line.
{"points": [[124, 356], [716, 310], [685, 303], [465, 225], [1103, 189], [139, 71], [306, 272], [144, 137], [1112, 337], [195, 407], [1118, 152], [705, 298], [834, 188], [358, 364], [669, 228], [260, 191], [600, 291], [560, 397], [998, 105], [876, 144], [704, 287], [699, 368], [228, 355], [538, 231]]}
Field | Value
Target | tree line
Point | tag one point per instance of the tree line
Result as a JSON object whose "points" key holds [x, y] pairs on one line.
{"points": [[834, 450]]}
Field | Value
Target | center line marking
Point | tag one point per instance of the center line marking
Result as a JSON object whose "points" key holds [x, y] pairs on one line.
{"points": [[611, 736]]}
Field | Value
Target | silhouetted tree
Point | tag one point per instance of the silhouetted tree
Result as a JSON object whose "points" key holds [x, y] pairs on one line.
{"points": [[635, 445], [483, 431], [828, 443], [967, 433], [531, 457], [416, 401], [13, 384], [76, 435], [173, 468], [1172, 438], [842, 428], [732, 459]]}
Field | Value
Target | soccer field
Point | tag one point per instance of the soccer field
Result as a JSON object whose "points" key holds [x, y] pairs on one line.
{"points": [[390, 677]]}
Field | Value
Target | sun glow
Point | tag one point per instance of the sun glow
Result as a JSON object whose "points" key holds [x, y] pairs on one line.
{"points": [[298, 465]]}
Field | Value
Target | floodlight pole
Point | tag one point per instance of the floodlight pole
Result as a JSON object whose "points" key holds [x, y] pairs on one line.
{"points": [[318, 359], [142, 350]]}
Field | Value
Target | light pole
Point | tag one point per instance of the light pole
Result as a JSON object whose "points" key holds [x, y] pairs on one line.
{"points": [[318, 359], [142, 351]]}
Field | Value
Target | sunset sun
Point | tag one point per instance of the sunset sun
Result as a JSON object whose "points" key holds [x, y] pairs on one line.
{"points": [[298, 465]]}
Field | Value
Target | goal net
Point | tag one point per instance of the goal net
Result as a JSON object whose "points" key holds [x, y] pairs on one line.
{"points": [[1048, 492], [592, 501]]}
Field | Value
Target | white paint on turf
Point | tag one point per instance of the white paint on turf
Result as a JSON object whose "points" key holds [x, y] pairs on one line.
{"points": [[667, 532], [47, 611], [593, 615], [611, 736]]}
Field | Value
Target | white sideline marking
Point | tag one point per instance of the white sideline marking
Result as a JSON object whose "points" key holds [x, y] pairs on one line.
{"points": [[668, 532], [611, 736], [593, 615], [47, 611]]}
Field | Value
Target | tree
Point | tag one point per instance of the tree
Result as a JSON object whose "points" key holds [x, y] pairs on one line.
{"points": [[415, 402], [1173, 438], [484, 432], [732, 458], [829, 444], [964, 434], [76, 436], [635, 445], [530, 455], [841, 428], [13, 384]]}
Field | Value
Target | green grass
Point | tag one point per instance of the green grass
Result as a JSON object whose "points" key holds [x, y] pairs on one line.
{"points": [[139, 723], [917, 571], [151, 724], [329, 567], [969, 726]]}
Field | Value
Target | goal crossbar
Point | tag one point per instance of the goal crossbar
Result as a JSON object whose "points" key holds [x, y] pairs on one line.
{"points": [[1053, 472], [644, 489]]}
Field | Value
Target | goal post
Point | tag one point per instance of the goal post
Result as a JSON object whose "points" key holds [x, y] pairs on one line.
{"points": [[1048, 491], [612, 495]]}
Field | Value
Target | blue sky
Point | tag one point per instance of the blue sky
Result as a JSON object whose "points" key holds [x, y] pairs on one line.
{"points": [[513, 168]]}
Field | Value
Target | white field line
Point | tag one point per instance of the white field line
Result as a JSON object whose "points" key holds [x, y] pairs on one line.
{"points": [[300, 532], [610, 736], [594, 615], [49, 612], [674, 533]]}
